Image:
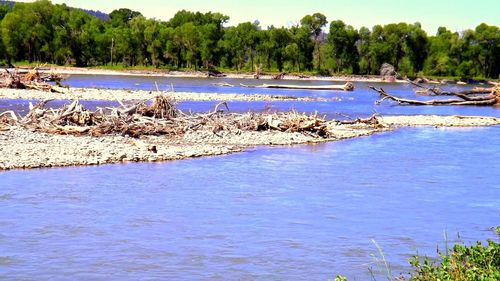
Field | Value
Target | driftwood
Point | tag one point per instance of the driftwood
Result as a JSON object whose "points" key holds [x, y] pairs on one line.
{"points": [[278, 76], [258, 71], [215, 73], [436, 91], [471, 97], [346, 87], [7, 119], [223, 84], [373, 120], [31, 79], [161, 117]]}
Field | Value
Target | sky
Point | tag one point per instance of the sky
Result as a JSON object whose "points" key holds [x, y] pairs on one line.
{"points": [[456, 15]]}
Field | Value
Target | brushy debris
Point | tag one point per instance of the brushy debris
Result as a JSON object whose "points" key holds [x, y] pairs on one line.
{"points": [[31, 80], [161, 117]]}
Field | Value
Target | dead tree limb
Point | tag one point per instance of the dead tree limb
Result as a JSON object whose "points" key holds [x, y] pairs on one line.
{"points": [[492, 98]]}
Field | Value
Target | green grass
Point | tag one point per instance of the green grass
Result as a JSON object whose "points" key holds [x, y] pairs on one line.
{"points": [[462, 262], [474, 262]]}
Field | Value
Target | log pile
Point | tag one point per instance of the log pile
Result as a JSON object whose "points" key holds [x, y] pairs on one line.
{"points": [[477, 96], [31, 80], [160, 117], [279, 76]]}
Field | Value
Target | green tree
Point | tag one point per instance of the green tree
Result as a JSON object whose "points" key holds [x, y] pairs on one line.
{"points": [[301, 36], [315, 24], [416, 46], [280, 38], [122, 16], [292, 55], [440, 60], [342, 39], [173, 47], [363, 46], [189, 37], [487, 50]]}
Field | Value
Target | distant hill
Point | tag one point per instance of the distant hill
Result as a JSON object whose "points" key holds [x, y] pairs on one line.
{"points": [[98, 14], [10, 3]]}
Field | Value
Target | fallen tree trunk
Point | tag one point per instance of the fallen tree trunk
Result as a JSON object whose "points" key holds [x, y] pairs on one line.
{"points": [[346, 87], [491, 98]]}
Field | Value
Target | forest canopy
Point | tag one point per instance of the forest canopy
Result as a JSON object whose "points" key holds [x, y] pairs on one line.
{"points": [[51, 33]]}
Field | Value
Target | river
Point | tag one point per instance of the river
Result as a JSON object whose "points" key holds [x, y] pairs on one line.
{"points": [[305, 212]]}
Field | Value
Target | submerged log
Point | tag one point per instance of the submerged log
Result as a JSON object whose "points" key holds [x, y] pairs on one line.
{"points": [[492, 97], [346, 87]]}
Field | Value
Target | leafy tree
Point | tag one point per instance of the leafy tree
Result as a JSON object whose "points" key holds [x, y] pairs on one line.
{"points": [[379, 50], [363, 47], [342, 39], [81, 38], [173, 47], [416, 46], [440, 59], [315, 24], [154, 38], [292, 53], [301, 36], [189, 37], [486, 46], [43, 32], [280, 38], [122, 16]]}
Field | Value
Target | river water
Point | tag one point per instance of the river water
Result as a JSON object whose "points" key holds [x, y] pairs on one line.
{"points": [[305, 212]]}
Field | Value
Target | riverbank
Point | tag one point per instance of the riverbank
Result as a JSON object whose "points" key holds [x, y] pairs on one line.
{"points": [[200, 74], [21, 148], [128, 95]]}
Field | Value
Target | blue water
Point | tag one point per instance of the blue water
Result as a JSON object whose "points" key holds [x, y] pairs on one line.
{"points": [[304, 212], [288, 213], [359, 103]]}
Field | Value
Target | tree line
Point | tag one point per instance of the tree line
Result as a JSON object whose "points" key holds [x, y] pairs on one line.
{"points": [[58, 34]]}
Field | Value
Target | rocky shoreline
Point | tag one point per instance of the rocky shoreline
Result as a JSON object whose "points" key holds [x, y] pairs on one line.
{"points": [[127, 95], [22, 148]]}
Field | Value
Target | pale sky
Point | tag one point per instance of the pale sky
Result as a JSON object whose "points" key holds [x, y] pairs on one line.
{"points": [[456, 15]]}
